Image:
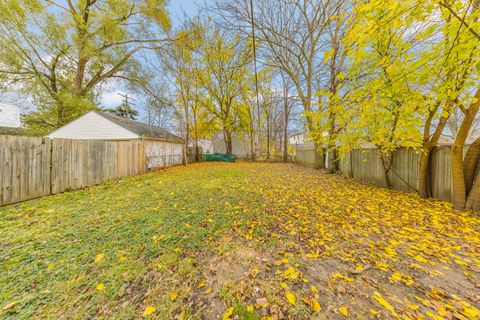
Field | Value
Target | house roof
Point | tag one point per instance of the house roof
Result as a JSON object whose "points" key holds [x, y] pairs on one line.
{"points": [[296, 133], [140, 128]]}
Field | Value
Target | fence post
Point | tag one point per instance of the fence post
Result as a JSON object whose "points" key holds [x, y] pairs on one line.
{"points": [[50, 164]]}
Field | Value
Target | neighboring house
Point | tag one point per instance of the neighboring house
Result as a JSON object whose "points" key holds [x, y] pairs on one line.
{"points": [[206, 145], [162, 147], [240, 145], [302, 138], [297, 138]]}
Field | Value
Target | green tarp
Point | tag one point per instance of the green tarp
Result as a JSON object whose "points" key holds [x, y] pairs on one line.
{"points": [[219, 157]]}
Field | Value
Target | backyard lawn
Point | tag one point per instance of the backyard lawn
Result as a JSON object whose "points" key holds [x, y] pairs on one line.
{"points": [[238, 241]]}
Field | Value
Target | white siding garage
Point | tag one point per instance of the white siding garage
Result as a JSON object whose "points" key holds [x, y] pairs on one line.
{"points": [[162, 148], [93, 126]]}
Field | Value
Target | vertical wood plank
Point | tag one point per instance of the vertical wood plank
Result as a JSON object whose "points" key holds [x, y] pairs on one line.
{"points": [[7, 172]]}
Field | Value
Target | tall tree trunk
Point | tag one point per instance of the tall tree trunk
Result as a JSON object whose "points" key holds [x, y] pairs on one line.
{"points": [[197, 150], [470, 163], [252, 148], [459, 192], [195, 122], [285, 130], [471, 176], [79, 75], [387, 162], [429, 143], [319, 156], [473, 199], [184, 156], [332, 148], [228, 141], [286, 114], [268, 137], [332, 160], [458, 179], [319, 160], [187, 125], [252, 137], [386, 178], [424, 185]]}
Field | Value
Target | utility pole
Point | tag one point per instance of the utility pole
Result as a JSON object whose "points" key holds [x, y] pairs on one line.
{"points": [[255, 68], [126, 108]]}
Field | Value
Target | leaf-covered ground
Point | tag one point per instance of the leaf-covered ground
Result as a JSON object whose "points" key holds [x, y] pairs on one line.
{"points": [[238, 241]]}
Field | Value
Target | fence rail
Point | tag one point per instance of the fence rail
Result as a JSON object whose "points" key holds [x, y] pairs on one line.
{"points": [[33, 167], [365, 165]]}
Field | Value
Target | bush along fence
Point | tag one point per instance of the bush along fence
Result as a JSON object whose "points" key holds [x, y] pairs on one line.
{"points": [[33, 167], [365, 165]]}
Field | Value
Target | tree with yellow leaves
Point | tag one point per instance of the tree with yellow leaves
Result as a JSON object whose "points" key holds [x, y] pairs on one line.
{"points": [[385, 97], [225, 76], [182, 63]]}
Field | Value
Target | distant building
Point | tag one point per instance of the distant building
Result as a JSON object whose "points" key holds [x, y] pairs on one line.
{"points": [[206, 145], [9, 116], [240, 145], [301, 138], [297, 138]]}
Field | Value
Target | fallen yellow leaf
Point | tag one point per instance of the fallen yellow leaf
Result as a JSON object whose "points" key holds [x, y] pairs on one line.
{"points": [[10, 305], [413, 307], [228, 314], [291, 298], [173, 295], [384, 303], [99, 257], [419, 258], [149, 310]]}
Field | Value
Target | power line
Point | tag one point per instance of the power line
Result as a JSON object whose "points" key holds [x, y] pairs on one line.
{"points": [[126, 99]]}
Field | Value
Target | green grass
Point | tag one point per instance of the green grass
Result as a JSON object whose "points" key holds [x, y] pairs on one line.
{"points": [[193, 242], [142, 223]]}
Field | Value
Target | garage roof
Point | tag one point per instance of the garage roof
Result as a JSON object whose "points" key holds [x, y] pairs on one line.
{"points": [[142, 129]]}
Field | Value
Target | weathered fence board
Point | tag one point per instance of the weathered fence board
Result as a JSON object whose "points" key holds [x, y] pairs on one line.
{"points": [[306, 157], [365, 165], [33, 167], [24, 168]]}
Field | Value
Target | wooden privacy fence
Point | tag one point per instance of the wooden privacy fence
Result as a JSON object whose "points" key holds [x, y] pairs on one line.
{"points": [[33, 167], [365, 165], [305, 156]]}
